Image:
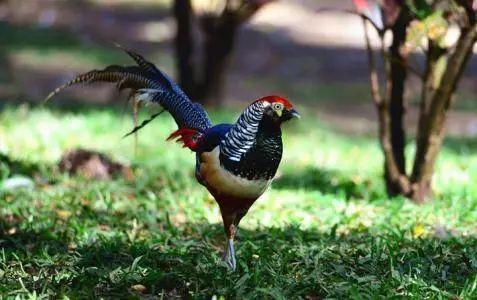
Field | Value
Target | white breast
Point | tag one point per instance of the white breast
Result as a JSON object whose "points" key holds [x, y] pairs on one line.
{"points": [[227, 184]]}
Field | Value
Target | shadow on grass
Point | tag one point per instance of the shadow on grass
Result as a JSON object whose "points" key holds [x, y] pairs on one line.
{"points": [[9, 166], [15, 38], [329, 182], [72, 105], [460, 145], [15, 240], [281, 263], [272, 263]]}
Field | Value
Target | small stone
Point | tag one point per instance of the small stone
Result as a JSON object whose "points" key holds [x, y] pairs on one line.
{"points": [[17, 182], [138, 288]]}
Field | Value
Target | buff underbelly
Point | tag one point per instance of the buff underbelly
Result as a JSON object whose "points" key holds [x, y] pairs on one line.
{"points": [[225, 184]]}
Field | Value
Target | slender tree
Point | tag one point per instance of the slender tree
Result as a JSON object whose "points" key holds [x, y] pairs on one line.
{"points": [[413, 24], [202, 78]]}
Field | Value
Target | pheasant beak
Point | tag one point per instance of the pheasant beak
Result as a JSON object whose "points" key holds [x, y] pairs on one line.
{"points": [[295, 114], [289, 114]]}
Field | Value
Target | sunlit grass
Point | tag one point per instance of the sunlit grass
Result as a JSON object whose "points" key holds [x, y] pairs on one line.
{"points": [[324, 229]]}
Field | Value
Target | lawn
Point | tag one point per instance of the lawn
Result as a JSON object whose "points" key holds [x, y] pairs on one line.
{"points": [[325, 229]]}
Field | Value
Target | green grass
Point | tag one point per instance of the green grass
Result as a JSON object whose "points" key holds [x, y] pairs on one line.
{"points": [[325, 229]]}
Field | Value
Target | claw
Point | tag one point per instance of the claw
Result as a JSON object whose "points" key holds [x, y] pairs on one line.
{"points": [[229, 255]]}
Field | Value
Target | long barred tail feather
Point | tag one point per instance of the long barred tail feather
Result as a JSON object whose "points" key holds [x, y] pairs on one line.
{"points": [[125, 77], [83, 78], [141, 62], [144, 123], [148, 84]]}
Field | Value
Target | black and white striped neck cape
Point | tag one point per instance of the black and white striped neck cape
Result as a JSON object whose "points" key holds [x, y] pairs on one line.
{"points": [[242, 136]]}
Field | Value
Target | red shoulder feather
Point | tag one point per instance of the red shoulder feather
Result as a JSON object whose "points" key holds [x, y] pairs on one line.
{"points": [[187, 136]]}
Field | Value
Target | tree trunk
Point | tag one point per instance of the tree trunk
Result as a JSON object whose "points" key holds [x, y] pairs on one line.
{"points": [[439, 84], [219, 42], [204, 80], [397, 108], [431, 126], [219, 37], [396, 181], [184, 45]]}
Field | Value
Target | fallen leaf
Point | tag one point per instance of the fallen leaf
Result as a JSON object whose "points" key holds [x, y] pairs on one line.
{"points": [[63, 214]]}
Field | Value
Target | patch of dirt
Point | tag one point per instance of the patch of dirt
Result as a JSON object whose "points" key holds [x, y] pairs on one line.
{"points": [[93, 165]]}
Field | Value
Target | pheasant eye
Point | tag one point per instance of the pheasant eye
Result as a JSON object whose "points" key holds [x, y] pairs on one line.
{"points": [[277, 106]]}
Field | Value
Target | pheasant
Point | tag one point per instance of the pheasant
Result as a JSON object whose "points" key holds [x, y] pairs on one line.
{"points": [[235, 162]]}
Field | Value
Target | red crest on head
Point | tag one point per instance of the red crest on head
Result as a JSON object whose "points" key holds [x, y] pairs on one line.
{"points": [[278, 99]]}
